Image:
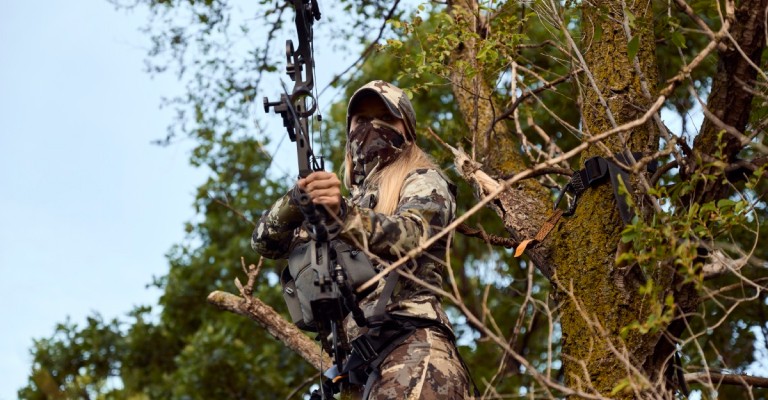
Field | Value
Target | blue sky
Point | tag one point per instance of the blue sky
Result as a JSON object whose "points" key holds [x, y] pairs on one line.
{"points": [[88, 207]]}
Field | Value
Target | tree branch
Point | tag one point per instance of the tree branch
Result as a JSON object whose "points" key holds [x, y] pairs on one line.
{"points": [[495, 240], [275, 324], [719, 263], [726, 379]]}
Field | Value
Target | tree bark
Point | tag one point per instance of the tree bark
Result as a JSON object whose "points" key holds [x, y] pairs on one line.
{"points": [[275, 324], [595, 309]]}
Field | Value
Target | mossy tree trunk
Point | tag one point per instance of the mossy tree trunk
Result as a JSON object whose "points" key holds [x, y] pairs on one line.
{"points": [[595, 308], [525, 206], [582, 251]]}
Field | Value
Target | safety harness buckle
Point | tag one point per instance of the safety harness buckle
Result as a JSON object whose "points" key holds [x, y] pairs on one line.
{"points": [[595, 170], [364, 349]]}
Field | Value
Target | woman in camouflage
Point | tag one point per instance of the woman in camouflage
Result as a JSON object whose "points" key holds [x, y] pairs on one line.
{"points": [[399, 198]]}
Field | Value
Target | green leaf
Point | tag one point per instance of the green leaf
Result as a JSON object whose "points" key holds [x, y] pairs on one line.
{"points": [[620, 387], [678, 39], [707, 207], [725, 203], [598, 32], [633, 47], [630, 16]]}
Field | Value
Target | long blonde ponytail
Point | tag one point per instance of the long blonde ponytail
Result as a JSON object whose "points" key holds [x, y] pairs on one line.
{"points": [[390, 179]]}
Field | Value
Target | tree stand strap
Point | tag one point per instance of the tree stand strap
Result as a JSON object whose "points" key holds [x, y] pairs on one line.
{"points": [[595, 172], [546, 227]]}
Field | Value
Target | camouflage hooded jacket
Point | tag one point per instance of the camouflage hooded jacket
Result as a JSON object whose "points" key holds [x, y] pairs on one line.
{"points": [[426, 205]]}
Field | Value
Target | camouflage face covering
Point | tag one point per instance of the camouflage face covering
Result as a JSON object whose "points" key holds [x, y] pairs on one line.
{"points": [[373, 145]]}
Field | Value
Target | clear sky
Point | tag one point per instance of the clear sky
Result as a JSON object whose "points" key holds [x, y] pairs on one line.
{"points": [[88, 207]]}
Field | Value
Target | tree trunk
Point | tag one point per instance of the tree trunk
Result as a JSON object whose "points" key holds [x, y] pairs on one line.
{"points": [[582, 249], [594, 308], [729, 101], [525, 206]]}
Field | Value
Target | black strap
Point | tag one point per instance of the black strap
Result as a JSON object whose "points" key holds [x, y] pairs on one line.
{"points": [[595, 172], [371, 348], [380, 310]]}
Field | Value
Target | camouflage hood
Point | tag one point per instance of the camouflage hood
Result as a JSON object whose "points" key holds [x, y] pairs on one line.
{"points": [[395, 99]]}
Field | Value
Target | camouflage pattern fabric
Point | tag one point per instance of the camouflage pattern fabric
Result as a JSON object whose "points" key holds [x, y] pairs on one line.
{"points": [[274, 234], [396, 100], [425, 366], [426, 206], [373, 145]]}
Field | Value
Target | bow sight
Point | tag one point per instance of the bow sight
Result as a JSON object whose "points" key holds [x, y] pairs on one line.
{"points": [[297, 107]]}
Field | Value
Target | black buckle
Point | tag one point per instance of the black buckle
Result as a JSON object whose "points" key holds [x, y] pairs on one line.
{"points": [[364, 349], [595, 169]]}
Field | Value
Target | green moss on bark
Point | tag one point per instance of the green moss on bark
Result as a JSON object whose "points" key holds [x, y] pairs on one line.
{"points": [[594, 309]]}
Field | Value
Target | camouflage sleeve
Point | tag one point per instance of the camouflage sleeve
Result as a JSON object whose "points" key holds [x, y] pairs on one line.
{"points": [[426, 206], [274, 233]]}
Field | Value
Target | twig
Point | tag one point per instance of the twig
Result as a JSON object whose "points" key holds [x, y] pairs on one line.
{"points": [[695, 17], [367, 50], [727, 379], [252, 272], [495, 240], [234, 210], [297, 389], [528, 93]]}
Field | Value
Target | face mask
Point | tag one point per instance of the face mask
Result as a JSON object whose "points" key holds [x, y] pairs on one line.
{"points": [[373, 145]]}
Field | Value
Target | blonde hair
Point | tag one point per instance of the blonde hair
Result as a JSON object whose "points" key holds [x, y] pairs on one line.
{"points": [[390, 179]]}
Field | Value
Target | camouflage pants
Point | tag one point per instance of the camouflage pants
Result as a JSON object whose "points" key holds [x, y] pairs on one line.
{"points": [[424, 366]]}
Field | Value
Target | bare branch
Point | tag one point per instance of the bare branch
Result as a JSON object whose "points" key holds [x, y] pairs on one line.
{"points": [[727, 379], [495, 240], [720, 263], [275, 324]]}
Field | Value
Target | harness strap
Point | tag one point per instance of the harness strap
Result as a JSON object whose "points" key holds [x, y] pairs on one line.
{"points": [[371, 348], [380, 310], [546, 227]]}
